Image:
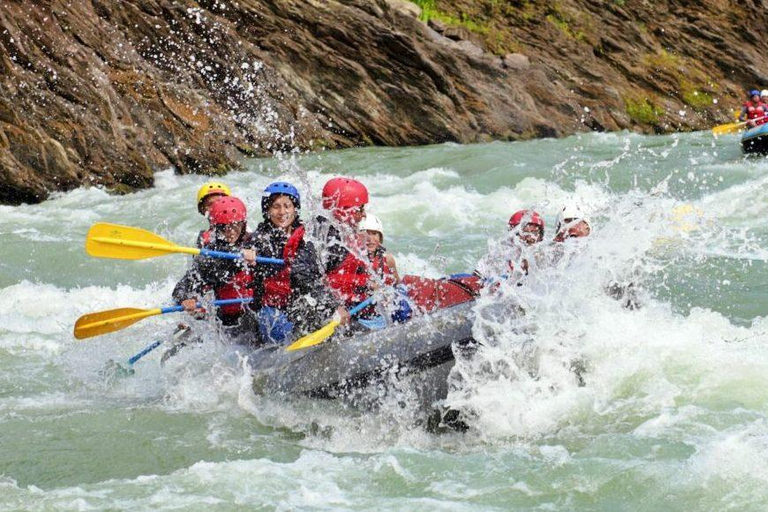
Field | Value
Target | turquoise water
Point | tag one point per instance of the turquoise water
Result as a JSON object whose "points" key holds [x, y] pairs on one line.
{"points": [[672, 416]]}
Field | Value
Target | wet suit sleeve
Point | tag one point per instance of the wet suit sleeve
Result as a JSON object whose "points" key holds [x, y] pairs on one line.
{"points": [[312, 300], [204, 273], [191, 285]]}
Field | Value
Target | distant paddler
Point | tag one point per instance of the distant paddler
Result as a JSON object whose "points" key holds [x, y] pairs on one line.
{"points": [[754, 110]]}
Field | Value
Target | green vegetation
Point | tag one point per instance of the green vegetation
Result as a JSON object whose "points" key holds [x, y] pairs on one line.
{"points": [[643, 111], [693, 86], [429, 11], [697, 100], [565, 23], [565, 27], [499, 42]]}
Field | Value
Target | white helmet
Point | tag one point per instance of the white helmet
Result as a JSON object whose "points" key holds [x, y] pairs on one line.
{"points": [[570, 211], [764, 93], [371, 223]]}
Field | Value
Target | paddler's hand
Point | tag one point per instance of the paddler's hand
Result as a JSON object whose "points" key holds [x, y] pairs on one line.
{"points": [[343, 315], [249, 255], [190, 306]]}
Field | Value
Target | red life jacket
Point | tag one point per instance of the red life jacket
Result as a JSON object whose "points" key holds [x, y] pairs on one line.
{"points": [[380, 266], [349, 280], [277, 288], [236, 288], [755, 110]]}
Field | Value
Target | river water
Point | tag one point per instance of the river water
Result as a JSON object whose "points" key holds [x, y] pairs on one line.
{"points": [[670, 413]]}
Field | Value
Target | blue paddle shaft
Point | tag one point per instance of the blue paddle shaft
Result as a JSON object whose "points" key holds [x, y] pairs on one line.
{"points": [[237, 256], [223, 302], [144, 352], [355, 310]]}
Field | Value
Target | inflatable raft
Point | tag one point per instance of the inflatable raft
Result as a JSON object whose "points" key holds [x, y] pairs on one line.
{"points": [[421, 350], [755, 140]]}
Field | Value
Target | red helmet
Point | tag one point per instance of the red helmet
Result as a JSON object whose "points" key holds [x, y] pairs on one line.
{"points": [[530, 216], [227, 210], [344, 193]]}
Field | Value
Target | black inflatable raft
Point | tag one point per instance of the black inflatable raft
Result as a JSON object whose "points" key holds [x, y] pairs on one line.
{"points": [[755, 140], [422, 350]]}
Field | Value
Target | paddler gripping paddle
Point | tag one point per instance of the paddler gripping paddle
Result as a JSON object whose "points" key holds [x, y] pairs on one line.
{"points": [[103, 322], [114, 241], [326, 331], [724, 129]]}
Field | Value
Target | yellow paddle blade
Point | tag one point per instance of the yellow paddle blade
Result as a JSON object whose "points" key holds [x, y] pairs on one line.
{"points": [[106, 240], [103, 322], [727, 128], [314, 338]]}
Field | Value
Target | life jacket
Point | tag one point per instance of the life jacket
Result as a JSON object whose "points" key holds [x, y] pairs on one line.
{"points": [[277, 288], [755, 110], [237, 288], [380, 266], [349, 279]]}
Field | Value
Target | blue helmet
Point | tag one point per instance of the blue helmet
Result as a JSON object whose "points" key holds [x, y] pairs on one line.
{"points": [[754, 92], [279, 188]]}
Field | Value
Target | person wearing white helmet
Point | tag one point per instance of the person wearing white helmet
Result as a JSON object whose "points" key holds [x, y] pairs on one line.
{"points": [[383, 263], [572, 222]]}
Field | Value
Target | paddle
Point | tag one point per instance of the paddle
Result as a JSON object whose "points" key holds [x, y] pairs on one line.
{"points": [[106, 240], [103, 322], [147, 350], [326, 331], [114, 369], [724, 129]]}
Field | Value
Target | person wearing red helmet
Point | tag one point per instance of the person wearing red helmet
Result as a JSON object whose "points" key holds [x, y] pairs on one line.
{"points": [[229, 279], [345, 199], [528, 226], [340, 247], [511, 259]]}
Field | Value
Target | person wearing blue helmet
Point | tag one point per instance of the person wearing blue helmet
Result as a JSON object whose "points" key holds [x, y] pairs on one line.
{"points": [[754, 111], [283, 290]]}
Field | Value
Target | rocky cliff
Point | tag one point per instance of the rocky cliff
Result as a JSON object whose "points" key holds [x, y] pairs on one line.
{"points": [[104, 92]]}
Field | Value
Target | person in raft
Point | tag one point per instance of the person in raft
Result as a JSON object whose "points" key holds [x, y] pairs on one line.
{"points": [[382, 262], [339, 243], [754, 110], [206, 196], [572, 222], [526, 228], [229, 279], [294, 298], [394, 298]]}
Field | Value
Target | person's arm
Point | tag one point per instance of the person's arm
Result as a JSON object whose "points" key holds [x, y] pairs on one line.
{"points": [[189, 289], [392, 266], [309, 289], [743, 115]]}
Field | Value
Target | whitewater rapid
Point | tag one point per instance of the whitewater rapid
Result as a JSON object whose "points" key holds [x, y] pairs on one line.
{"points": [[667, 408]]}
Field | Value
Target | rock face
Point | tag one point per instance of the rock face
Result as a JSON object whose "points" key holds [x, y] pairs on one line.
{"points": [[105, 92]]}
